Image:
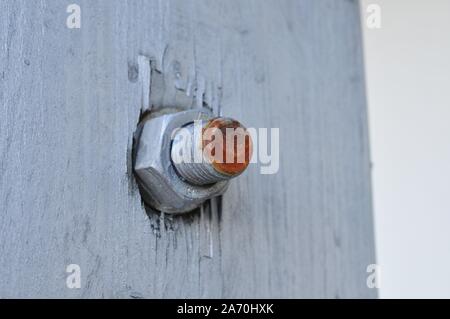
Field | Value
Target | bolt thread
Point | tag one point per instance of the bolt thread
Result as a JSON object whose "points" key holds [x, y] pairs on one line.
{"points": [[188, 157]]}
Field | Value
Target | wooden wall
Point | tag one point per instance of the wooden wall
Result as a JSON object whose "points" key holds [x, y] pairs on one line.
{"points": [[70, 100]]}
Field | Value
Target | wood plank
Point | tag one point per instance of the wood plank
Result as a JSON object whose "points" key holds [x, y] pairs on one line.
{"points": [[70, 102]]}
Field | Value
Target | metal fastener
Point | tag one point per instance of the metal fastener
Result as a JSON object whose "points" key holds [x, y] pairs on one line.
{"points": [[172, 182], [234, 151]]}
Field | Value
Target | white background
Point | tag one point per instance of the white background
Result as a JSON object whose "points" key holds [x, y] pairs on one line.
{"points": [[408, 90]]}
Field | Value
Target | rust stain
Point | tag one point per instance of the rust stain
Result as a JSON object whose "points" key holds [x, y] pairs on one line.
{"points": [[241, 147]]}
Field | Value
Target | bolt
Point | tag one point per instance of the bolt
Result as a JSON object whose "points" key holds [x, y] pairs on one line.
{"points": [[161, 186], [206, 152]]}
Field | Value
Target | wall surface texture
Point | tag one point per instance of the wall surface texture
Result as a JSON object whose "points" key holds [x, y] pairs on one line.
{"points": [[70, 100]]}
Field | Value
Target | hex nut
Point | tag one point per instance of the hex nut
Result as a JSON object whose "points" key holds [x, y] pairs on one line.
{"points": [[161, 187]]}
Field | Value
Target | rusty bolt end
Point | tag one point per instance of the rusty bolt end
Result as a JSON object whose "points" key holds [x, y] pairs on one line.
{"points": [[236, 148]]}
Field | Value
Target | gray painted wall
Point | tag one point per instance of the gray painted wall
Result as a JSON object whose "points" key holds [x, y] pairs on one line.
{"points": [[70, 100]]}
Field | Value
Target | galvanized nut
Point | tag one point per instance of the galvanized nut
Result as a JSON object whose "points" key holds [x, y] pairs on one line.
{"points": [[170, 178]]}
